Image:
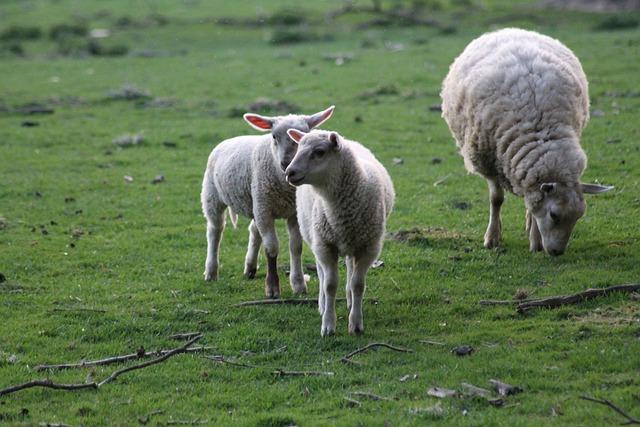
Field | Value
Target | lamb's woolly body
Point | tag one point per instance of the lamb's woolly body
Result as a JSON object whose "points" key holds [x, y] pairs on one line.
{"points": [[350, 211], [243, 174], [516, 102]]}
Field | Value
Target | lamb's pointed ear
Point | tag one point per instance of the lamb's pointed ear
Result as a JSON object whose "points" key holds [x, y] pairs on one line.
{"points": [[595, 188], [318, 118], [336, 140], [261, 123], [296, 135]]}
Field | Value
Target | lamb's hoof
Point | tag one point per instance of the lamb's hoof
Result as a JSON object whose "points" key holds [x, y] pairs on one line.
{"points": [[272, 288], [299, 287], [210, 276], [327, 331], [491, 241], [536, 247], [250, 273], [356, 329]]}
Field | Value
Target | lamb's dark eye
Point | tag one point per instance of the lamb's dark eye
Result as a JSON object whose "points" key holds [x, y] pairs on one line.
{"points": [[554, 216], [318, 153]]}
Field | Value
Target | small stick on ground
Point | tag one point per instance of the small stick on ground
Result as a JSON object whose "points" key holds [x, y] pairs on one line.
{"points": [[184, 336], [630, 419], [46, 384], [116, 359], [505, 302], [504, 389], [292, 301], [283, 373], [369, 395], [223, 359], [160, 359], [346, 359], [69, 308], [352, 402], [560, 300]]}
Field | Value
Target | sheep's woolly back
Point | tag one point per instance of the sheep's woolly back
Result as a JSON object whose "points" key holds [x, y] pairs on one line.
{"points": [[516, 102], [350, 209]]}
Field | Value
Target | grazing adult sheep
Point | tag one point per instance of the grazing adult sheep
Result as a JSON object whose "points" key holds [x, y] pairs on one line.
{"points": [[516, 103], [246, 175], [342, 211]]}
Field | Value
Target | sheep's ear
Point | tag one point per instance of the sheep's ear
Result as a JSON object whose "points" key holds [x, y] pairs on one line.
{"points": [[548, 187], [259, 122], [595, 188], [295, 134], [318, 118], [335, 140]]}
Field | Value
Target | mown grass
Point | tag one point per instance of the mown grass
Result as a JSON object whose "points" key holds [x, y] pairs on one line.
{"points": [[136, 250]]}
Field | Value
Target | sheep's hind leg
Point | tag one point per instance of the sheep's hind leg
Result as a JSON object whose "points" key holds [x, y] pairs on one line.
{"points": [[494, 231], [296, 276], [270, 241], [535, 239], [251, 260], [215, 227], [320, 288], [350, 263], [357, 284]]}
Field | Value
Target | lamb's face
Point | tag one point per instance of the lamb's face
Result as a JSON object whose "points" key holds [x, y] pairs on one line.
{"points": [[314, 157], [282, 146], [556, 208]]}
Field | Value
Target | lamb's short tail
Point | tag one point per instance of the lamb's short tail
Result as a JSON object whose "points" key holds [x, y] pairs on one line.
{"points": [[233, 217]]}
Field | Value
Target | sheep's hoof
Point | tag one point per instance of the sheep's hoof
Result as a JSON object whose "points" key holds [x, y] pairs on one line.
{"points": [[210, 276], [272, 287], [491, 240], [536, 247], [356, 329], [327, 331], [299, 287], [250, 273]]}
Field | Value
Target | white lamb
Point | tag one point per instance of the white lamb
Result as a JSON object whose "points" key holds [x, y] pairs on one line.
{"points": [[516, 102], [342, 212], [246, 174]]}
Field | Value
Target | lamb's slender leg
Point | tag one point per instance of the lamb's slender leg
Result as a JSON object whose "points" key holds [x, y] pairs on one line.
{"points": [[320, 288], [360, 267], [251, 260], [349, 261], [266, 227], [215, 226], [535, 240], [494, 230], [296, 276], [329, 261]]}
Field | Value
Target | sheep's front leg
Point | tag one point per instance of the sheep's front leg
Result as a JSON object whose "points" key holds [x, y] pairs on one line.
{"points": [[296, 275], [251, 260], [535, 239], [329, 261], [320, 288], [267, 230], [349, 261], [357, 285], [494, 230]]}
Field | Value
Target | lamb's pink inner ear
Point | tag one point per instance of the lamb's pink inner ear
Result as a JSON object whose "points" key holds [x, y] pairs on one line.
{"points": [[258, 122], [295, 134], [318, 118]]}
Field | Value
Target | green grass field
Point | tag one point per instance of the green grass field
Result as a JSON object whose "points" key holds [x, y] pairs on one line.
{"points": [[96, 266]]}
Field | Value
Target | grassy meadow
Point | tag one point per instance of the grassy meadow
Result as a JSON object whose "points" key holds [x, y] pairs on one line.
{"points": [[95, 264]]}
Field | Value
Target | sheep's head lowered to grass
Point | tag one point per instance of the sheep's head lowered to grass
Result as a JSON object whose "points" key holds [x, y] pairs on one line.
{"points": [[553, 211], [282, 146]]}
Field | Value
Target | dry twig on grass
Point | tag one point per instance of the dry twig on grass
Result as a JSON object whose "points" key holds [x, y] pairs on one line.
{"points": [[283, 373], [505, 302], [370, 395], [223, 359], [347, 358], [630, 419], [116, 359], [93, 385], [429, 342], [504, 389], [557, 301]]}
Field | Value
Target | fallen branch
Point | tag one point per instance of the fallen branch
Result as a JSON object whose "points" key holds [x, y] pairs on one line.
{"points": [[50, 384], [630, 419], [116, 359], [184, 336], [557, 301], [429, 342], [293, 301], [346, 359], [504, 389], [46, 384], [70, 308], [472, 390], [160, 359], [283, 373], [505, 302]]}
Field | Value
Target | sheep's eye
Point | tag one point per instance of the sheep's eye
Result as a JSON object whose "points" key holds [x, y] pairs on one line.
{"points": [[318, 153], [554, 216]]}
